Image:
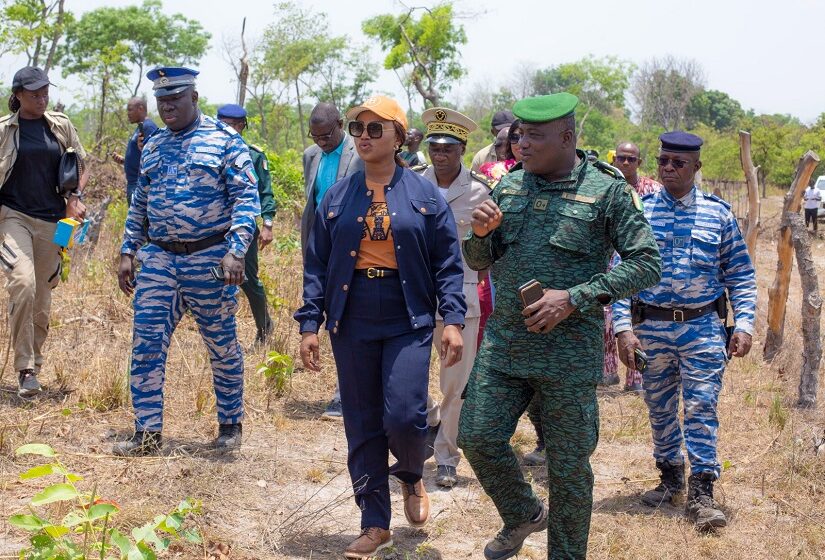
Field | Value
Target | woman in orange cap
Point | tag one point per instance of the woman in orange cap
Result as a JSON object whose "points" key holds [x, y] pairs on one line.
{"points": [[382, 257]]}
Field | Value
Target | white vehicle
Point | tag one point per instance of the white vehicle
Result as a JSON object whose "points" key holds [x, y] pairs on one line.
{"points": [[820, 184]]}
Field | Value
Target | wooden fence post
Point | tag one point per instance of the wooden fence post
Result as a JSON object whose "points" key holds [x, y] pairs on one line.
{"points": [[752, 231], [811, 312], [778, 293]]}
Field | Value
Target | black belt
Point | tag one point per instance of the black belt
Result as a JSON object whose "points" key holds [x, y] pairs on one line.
{"points": [[189, 247], [677, 315], [377, 272]]}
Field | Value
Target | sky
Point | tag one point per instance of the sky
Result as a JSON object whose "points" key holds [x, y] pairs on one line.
{"points": [[765, 54]]}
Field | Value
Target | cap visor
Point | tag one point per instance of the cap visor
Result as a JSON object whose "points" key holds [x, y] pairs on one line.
{"points": [[37, 85], [160, 92], [442, 140]]}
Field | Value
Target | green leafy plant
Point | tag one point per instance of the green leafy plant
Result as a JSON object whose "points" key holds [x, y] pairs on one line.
{"points": [[86, 532], [277, 369]]}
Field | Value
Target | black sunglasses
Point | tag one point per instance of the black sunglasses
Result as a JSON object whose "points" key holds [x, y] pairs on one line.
{"points": [[676, 163], [627, 159], [375, 129], [514, 138]]}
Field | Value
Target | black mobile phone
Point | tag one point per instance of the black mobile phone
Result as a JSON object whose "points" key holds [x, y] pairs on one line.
{"points": [[217, 274], [140, 128], [530, 292], [641, 360]]}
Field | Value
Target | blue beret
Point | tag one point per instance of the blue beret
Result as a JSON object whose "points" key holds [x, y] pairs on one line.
{"points": [[171, 79], [679, 141], [232, 111]]}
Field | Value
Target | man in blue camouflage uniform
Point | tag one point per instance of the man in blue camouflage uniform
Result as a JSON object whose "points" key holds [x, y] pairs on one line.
{"points": [[197, 198], [680, 325]]}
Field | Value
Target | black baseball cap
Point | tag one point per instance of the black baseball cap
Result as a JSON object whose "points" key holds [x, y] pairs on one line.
{"points": [[502, 119], [30, 78]]}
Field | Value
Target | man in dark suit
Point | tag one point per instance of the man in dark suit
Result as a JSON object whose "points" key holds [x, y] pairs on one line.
{"points": [[331, 158]]}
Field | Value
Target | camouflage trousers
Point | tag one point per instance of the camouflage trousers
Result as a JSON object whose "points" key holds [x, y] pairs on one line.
{"points": [[168, 284], [687, 358], [570, 421]]}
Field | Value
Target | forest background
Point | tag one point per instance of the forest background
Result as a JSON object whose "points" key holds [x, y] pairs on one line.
{"points": [[300, 59]]}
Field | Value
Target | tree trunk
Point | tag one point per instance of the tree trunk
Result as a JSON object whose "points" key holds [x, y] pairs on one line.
{"points": [[243, 73], [58, 32], [140, 77], [811, 312], [778, 293], [752, 231], [103, 92], [301, 115]]}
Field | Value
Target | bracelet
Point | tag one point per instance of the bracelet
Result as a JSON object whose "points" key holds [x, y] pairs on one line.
{"points": [[77, 194]]}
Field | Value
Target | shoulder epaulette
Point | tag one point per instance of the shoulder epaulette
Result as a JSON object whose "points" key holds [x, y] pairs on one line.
{"points": [[483, 179], [223, 127], [608, 169], [256, 148], [714, 198], [420, 168]]}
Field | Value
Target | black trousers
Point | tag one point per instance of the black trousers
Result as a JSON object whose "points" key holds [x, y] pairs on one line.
{"points": [[810, 216]]}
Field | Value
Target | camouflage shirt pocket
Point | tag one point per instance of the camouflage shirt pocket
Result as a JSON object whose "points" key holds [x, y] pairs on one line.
{"points": [[205, 169], [513, 208], [574, 231], [704, 250]]}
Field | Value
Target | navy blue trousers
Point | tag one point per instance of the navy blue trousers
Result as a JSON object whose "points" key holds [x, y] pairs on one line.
{"points": [[383, 372]]}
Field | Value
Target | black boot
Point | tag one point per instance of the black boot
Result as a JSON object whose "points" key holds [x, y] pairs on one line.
{"points": [[139, 445], [701, 508], [229, 437], [672, 477], [537, 457]]}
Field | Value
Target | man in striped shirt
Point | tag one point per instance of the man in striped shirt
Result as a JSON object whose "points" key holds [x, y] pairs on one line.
{"points": [[680, 325]]}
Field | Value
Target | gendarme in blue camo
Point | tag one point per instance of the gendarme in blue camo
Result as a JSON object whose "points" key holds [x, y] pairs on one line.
{"points": [[562, 234], [193, 184], [703, 254]]}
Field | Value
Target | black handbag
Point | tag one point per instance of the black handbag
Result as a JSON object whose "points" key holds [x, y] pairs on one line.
{"points": [[68, 172]]}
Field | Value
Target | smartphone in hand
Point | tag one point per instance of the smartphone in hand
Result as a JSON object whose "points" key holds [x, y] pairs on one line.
{"points": [[641, 360], [530, 292]]}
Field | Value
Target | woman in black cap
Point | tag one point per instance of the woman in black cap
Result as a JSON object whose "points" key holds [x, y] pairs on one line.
{"points": [[32, 142]]}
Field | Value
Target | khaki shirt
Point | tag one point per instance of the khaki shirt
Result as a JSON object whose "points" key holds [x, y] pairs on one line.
{"points": [[60, 125], [484, 155], [464, 194]]}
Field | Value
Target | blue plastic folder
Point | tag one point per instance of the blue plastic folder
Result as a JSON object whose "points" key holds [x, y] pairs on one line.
{"points": [[70, 232]]}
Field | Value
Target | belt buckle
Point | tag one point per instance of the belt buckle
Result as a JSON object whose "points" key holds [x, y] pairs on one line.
{"points": [[679, 315], [371, 273]]}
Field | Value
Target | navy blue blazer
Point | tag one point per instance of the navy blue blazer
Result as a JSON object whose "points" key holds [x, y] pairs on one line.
{"points": [[426, 248]]}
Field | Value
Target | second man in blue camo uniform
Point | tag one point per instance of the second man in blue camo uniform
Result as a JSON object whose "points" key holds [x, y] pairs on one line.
{"points": [[197, 195], [680, 325]]}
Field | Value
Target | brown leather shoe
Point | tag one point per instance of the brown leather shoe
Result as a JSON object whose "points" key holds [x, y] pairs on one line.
{"points": [[416, 503], [371, 540]]}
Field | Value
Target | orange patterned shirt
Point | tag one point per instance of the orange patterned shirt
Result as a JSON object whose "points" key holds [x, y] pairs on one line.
{"points": [[376, 240]]}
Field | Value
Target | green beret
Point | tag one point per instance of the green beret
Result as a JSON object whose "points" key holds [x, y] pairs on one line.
{"points": [[545, 108]]}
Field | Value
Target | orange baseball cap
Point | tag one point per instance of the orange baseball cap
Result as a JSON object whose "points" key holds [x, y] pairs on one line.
{"points": [[382, 106]]}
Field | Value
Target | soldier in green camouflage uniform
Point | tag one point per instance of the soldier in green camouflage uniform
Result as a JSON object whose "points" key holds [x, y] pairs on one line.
{"points": [[556, 221]]}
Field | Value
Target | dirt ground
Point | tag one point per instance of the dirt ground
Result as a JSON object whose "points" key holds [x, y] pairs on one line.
{"points": [[287, 495]]}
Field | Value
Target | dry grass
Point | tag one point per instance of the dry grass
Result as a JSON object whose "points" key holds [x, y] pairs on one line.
{"points": [[287, 495]]}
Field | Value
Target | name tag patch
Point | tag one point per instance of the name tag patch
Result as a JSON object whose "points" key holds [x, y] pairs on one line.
{"points": [[171, 170], [540, 204], [578, 197]]}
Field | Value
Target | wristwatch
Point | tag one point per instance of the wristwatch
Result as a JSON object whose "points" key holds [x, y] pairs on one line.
{"points": [[77, 194], [268, 222]]}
